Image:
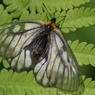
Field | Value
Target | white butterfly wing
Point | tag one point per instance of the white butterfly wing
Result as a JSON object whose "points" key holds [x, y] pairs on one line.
{"points": [[13, 38], [56, 66]]}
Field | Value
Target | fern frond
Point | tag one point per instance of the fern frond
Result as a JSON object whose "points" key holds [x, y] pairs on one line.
{"points": [[85, 53], [4, 16], [89, 87], [55, 5], [4, 63], [78, 18], [16, 7], [25, 84], [74, 19]]}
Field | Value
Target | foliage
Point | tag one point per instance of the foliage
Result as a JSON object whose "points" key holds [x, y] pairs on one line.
{"points": [[13, 83], [25, 84]]}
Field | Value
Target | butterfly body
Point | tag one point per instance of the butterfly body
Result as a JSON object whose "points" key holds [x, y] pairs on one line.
{"points": [[41, 40]]}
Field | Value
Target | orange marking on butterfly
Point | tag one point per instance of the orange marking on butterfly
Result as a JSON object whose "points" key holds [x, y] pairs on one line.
{"points": [[51, 24]]}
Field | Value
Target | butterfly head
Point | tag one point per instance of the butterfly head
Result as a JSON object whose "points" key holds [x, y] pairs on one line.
{"points": [[53, 20]]}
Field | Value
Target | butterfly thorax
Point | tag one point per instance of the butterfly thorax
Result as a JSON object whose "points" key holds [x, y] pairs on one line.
{"points": [[51, 23], [38, 44]]}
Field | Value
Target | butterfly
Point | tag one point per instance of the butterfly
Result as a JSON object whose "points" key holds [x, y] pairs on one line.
{"points": [[41, 46]]}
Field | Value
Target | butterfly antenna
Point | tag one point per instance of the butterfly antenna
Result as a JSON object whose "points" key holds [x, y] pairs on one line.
{"points": [[61, 19], [47, 12]]}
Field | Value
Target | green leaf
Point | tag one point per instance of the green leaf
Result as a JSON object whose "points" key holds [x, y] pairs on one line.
{"points": [[78, 18], [4, 62], [57, 5], [84, 53], [4, 16], [13, 83], [16, 7]]}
